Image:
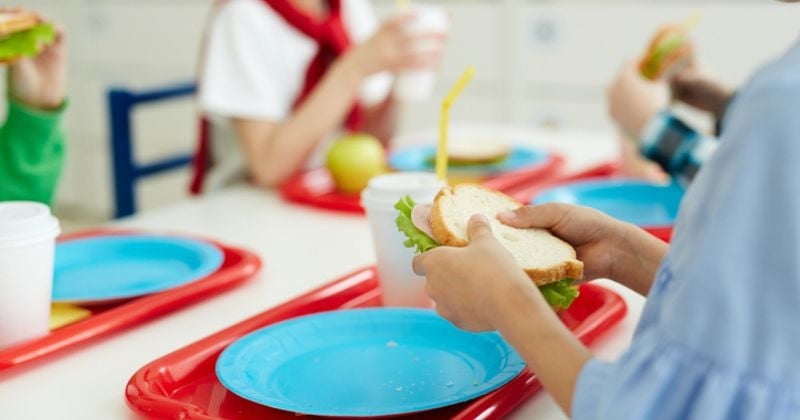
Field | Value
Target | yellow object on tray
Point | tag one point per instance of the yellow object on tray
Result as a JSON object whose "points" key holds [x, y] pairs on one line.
{"points": [[441, 152], [62, 314]]}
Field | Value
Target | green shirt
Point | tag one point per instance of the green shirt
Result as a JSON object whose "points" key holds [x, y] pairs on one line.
{"points": [[32, 147]]}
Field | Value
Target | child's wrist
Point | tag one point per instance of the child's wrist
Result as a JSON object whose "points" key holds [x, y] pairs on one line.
{"points": [[519, 300], [352, 66]]}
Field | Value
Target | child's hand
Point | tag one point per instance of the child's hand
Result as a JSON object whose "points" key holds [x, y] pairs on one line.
{"points": [[609, 248], [39, 82], [633, 100], [471, 285], [392, 48], [594, 235]]}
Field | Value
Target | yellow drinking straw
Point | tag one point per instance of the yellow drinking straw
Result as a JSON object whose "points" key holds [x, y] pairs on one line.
{"points": [[441, 152]]}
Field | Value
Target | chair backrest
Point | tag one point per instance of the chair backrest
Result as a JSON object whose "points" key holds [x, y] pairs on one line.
{"points": [[127, 172]]}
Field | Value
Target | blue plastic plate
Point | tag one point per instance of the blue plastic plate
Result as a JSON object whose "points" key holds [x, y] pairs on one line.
{"points": [[105, 268], [366, 362], [638, 202], [420, 158]]}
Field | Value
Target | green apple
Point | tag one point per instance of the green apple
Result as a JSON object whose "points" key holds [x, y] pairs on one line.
{"points": [[353, 160]]}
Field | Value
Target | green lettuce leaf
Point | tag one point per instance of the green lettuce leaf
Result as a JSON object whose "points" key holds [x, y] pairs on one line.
{"points": [[26, 43], [415, 237], [560, 294]]}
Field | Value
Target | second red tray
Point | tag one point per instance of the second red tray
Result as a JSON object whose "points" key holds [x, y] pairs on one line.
{"points": [[238, 265], [315, 188], [183, 385]]}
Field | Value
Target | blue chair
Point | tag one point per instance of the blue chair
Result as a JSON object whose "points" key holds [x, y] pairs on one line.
{"points": [[127, 172]]}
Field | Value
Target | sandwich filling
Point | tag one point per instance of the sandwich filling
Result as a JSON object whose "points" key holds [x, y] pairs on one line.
{"points": [[414, 222], [27, 42]]}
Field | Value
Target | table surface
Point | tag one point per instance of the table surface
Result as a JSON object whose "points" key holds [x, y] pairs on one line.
{"points": [[89, 382]]}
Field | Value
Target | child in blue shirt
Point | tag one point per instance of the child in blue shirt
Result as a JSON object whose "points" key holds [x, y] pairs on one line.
{"points": [[718, 338]]}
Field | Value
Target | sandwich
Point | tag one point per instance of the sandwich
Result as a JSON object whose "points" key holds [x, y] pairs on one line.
{"points": [[548, 261], [477, 152], [474, 152], [23, 34], [667, 52]]}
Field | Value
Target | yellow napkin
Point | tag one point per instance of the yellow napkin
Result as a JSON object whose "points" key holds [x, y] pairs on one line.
{"points": [[62, 314]]}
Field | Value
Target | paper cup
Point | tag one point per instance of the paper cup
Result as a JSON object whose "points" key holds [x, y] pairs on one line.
{"points": [[418, 85], [27, 246], [400, 286]]}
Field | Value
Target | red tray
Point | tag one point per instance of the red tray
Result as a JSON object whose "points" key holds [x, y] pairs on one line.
{"points": [[238, 265], [183, 385], [315, 188]]}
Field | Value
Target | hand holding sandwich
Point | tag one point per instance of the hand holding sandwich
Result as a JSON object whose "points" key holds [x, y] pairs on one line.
{"points": [[609, 248], [481, 286], [37, 79]]}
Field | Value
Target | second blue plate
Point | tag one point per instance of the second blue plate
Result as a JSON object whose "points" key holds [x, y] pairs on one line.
{"points": [[420, 158], [642, 203], [105, 268], [366, 362]]}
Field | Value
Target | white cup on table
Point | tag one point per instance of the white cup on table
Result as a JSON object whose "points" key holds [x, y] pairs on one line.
{"points": [[399, 284], [27, 246], [417, 85]]}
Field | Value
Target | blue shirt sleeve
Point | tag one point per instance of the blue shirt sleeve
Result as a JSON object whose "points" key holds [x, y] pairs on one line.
{"points": [[718, 338]]}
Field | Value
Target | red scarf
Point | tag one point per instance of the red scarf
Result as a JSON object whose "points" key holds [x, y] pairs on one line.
{"points": [[333, 40]]}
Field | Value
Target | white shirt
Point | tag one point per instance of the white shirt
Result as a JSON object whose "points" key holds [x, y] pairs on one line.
{"points": [[254, 67]]}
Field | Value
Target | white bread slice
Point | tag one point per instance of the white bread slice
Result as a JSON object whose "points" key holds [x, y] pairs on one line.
{"points": [[544, 257]]}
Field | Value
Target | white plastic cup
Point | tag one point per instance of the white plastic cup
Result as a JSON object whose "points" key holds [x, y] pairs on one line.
{"points": [[399, 284], [27, 246], [417, 85]]}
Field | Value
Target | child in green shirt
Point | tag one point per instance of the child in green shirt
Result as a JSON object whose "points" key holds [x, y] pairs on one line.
{"points": [[32, 144]]}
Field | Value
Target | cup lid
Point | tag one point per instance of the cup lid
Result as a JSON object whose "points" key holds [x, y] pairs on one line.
{"points": [[24, 221], [387, 189]]}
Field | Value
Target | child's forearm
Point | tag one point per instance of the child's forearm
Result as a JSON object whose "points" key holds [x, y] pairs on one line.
{"points": [[549, 348], [290, 144], [381, 120], [637, 259]]}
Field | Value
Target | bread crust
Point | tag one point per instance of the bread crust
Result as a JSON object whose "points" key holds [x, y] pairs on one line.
{"points": [[568, 269], [17, 22]]}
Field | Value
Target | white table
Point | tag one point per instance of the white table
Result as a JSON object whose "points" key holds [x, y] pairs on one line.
{"points": [[301, 248]]}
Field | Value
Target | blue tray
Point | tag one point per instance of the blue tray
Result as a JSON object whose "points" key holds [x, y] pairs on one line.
{"points": [[420, 158], [107, 268], [366, 362], [642, 203]]}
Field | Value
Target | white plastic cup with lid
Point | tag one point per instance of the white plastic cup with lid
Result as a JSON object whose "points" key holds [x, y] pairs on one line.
{"points": [[399, 284], [418, 85], [27, 248]]}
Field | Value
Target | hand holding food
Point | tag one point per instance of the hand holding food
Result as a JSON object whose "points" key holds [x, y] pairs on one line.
{"points": [[36, 52], [535, 254], [393, 48], [608, 248]]}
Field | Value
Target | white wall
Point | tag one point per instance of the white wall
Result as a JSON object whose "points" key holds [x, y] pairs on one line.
{"points": [[538, 62]]}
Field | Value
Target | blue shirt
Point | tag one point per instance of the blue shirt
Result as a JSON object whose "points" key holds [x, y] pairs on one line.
{"points": [[719, 337]]}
